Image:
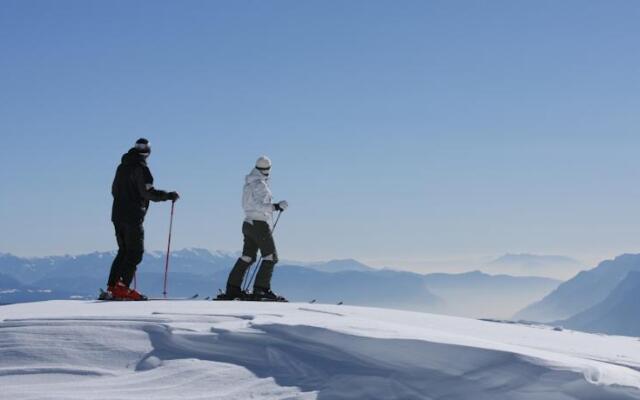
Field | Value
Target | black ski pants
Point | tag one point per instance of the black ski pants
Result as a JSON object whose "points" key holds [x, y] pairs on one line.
{"points": [[257, 236], [130, 238]]}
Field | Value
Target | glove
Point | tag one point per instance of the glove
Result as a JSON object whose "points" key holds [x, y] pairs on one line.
{"points": [[281, 206], [173, 196]]}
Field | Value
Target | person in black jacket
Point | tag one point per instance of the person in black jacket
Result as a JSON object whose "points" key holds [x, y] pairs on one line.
{"points": [[132, 190]]}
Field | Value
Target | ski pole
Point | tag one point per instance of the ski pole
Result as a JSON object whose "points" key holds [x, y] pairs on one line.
{"points": [[166, 266], [257, 266]]}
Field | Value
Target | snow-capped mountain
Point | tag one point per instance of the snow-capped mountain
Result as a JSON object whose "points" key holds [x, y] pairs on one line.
{"points": [[556, 267], [582, 292], [336, 265], [161, 350], [617, 314]]}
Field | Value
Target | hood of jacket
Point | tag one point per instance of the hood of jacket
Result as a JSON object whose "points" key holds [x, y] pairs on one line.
{"points": [[133, 157], [256, 175]]}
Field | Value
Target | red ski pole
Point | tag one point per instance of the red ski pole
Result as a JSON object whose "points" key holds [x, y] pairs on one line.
{"points": [[166, 266]]}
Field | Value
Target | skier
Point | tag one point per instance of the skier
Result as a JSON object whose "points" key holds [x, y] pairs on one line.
{"points": [[258, 209], [132, 189]]}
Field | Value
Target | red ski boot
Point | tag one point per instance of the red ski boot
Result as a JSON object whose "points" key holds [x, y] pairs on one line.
{"points": [[121, 292]]}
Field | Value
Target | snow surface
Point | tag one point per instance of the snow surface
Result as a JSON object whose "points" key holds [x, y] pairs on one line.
{"points": [[239, 350]]}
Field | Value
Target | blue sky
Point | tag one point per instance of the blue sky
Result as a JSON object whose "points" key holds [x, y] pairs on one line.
{"points": [[410, 133]]}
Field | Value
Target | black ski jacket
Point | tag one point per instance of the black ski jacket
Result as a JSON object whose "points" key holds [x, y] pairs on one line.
{"points": [[132, 189]]}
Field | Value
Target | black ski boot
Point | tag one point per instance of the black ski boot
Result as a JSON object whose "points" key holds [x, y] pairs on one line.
{"points": [[233, 293], [262, 294]]}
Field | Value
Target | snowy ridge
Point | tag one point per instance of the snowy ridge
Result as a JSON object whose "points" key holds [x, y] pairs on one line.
{"points": [[585, 290], [237, 350]]}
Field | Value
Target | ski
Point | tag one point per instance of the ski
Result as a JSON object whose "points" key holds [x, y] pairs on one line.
{"points": [[253, 300], [194, 297], [106, 296], [221, 297]]}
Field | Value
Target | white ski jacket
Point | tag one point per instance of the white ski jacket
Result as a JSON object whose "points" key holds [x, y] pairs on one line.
{"points": [[256, 197]]}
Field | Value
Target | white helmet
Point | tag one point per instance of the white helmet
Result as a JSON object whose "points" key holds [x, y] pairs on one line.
{"points": [[263, 163]]}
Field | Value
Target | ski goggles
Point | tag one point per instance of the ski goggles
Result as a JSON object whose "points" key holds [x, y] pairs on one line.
{"points": [[143, 148]]}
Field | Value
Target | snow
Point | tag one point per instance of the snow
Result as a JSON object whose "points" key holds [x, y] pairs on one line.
{"points": [[226, 253], [239, 350]]}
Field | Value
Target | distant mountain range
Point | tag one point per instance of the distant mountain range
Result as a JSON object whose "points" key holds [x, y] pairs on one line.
{"points": [[556, 267], [11, 290], [335, 265], [582, 292], [474, 294], [617, 314]]}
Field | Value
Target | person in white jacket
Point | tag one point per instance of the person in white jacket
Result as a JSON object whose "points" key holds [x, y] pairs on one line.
{"points": [[258, 209]]}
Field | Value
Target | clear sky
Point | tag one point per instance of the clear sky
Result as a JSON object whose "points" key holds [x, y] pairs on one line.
{"points": [[403, 133]]}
